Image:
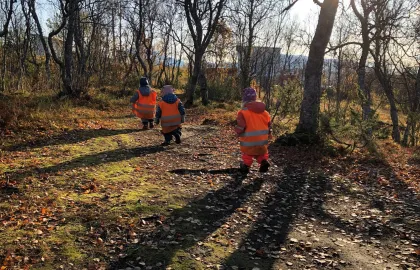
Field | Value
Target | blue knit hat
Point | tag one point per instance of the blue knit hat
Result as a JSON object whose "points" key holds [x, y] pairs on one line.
{"points": [[249, 94]]}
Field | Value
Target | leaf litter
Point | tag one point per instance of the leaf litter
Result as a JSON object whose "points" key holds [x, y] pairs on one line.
{"points": [[188, 207]]}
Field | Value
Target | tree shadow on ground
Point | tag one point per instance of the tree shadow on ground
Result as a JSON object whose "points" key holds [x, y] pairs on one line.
{"points": [[69, 137], [188, 226], [89, 161], [391, 210], [296, 193]]}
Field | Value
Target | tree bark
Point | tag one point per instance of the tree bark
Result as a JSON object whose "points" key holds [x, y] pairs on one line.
{"points": [[202, 81], [412, 122], [5, 29], [361, 79], [365, 45], [309, 111], [194, 79], [197, 13], [68, 50]]}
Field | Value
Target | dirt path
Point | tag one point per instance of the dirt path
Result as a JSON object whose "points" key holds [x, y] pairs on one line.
{"points": [[115, 199]]}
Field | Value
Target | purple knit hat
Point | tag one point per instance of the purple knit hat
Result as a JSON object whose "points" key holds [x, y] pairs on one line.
{"points": [[167, 89], [249, 94]]}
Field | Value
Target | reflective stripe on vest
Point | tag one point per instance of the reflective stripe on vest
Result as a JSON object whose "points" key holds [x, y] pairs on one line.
{"points": [[169, 117], [258, 143], [254, 133]]}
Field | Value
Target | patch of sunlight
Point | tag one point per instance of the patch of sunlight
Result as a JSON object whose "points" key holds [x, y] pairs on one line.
{"points": [[181, 260], [10, 235], [128, 140], [136, 200], [62, 243], [119, 171]]}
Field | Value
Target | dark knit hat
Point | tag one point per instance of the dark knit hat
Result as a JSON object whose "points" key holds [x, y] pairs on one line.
{"points": [[249, 94], [144, 81]]}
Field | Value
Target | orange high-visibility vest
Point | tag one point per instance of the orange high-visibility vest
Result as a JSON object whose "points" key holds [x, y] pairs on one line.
{"points": [[171, 118], [144, 107], [254, 139]]}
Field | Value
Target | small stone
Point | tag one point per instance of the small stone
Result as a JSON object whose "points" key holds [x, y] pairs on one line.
{"points": [[289, 263]]}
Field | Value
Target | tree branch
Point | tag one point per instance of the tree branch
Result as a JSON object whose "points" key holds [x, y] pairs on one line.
{"points": [[289, 6], [318, 3], [356, 11], [343, 45], [9, 16]]}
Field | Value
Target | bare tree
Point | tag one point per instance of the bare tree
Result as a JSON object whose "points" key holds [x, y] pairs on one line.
{"points": [[7, 7], [202, 19], [366, 33], [309, 112], [246, 17], [34, 14], [388, 18], [136, 20]]}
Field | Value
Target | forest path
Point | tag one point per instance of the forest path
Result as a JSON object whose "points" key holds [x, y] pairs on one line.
{"points": [[113, 198]]}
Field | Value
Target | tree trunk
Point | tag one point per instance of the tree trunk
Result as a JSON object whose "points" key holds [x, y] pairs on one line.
{"points": [[194, 79], [5, 30], [139, 38], [309, 111], [394, 116], [246, 65], [202, 81], [361, 71], [4, 66], [67, 77], [412, 124], [338, 87], [361, 79], [386, 85]]}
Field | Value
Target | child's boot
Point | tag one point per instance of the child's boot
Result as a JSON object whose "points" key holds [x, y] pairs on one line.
{"points": [[151, 125], [177, 138], [244, 169], [145, 126], [165, 143], [264, 166]]}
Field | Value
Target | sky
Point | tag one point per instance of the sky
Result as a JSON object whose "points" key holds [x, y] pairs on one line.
{"points": [[302, 10]]}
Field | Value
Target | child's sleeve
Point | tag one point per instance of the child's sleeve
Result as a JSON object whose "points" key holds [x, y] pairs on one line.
{"points": [[181, 110], [240, 123], [134, 98], [269, 125], [158, 114]]}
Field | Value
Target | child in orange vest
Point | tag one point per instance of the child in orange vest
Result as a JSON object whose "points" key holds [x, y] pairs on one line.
{"points": [[253, 129], [170, 113], [144, 103]]}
